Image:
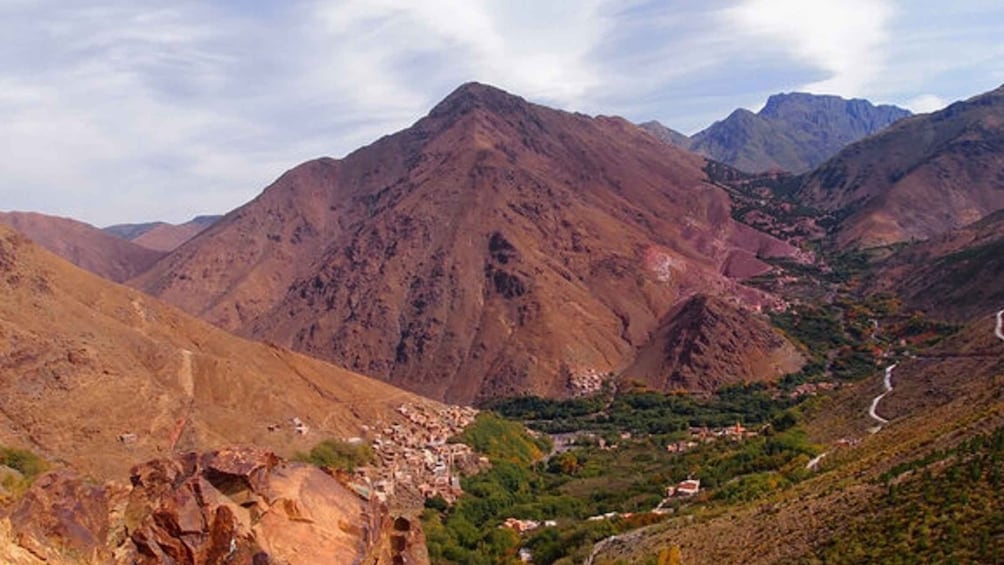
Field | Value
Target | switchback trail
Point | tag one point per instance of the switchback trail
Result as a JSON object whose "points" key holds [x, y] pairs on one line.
{"points": [[887, 384]]}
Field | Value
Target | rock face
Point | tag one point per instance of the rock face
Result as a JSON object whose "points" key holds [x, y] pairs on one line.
{"points": [[239, 506], [489, 249], [161, 236], [923, 176], [84, 245], [709, 343], [793, 132], [98, 376]]}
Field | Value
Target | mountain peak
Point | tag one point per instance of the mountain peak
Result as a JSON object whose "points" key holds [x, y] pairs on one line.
{"points": [[472, 95], [794, 131]]}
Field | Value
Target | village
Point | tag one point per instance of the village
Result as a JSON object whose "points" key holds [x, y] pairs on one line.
{"points": [[414, 459]]}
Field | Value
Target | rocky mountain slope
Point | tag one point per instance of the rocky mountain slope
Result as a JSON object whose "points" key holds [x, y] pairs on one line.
{"points": [[793, 132], [922, 176], [99, 376], [707, 340], [955, 276], [162, 236], [83, 245], [496, 247]]}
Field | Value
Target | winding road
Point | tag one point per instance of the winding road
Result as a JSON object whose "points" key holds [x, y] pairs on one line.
{"points": [[887, 383], [887, 386]]}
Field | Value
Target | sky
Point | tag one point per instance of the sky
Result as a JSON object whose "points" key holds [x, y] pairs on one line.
{"points": [[118, 111]]}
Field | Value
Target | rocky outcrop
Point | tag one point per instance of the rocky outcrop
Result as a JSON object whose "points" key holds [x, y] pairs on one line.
{"points": [[235, 506]]}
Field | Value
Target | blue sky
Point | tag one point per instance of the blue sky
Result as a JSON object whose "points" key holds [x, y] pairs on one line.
{"points": [[136, 110]]}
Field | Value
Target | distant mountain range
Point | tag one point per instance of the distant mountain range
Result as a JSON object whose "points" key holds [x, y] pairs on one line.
{"points": [[162, 236], [918, 178], [793, 132], [84, 245]]}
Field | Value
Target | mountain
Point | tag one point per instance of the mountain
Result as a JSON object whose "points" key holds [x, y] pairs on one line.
{"points": [[161, 236], [793, 132], [130, 232], [955, 276], [709, 339], [496, 247], [83, 245], [666, 134], [923, 176], [98, 376]]}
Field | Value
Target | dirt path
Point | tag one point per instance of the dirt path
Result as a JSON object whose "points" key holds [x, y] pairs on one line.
{"points": [[887, 384], [814, 462], [185, 373]]}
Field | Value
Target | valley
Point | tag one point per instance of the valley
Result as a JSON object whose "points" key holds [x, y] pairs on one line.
{"points": [[512, 333]]}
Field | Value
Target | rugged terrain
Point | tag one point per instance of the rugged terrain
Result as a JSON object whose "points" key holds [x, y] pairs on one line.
{"points": [[496, 247], [240, 506], [793, 132], [83, 245], [161, 236], [922, 176], [709, 339], [955, 276], [99, 376]]}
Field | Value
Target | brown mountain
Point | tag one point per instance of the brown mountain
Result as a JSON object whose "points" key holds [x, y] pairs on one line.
{"points": [[99, 376], [710, 342], [954, 276], [84, 245], [922, 176], [495, 247], [162, 236]]}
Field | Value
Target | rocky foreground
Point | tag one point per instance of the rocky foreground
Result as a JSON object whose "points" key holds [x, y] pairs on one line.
{"points": [[235, 506]]}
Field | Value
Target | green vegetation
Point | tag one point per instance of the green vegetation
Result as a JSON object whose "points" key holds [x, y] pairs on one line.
{"points": [[943, 508], [646, 412], [337, 454], [25, 463], [627, 475], [468, 532], [502, 440]]}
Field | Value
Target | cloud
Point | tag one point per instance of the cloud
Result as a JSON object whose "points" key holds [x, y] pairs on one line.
{"points": [[926, 103], [116, 110], [844, 39]]}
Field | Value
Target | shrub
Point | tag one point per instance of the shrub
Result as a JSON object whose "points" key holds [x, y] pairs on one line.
{"points": [[336, 454]]}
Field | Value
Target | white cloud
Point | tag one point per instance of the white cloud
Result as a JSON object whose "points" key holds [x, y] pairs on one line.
{"points": [[116, 110], [926, 103], [842, 38]]}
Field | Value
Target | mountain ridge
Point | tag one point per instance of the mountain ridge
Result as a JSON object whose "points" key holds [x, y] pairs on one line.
{"points": [[433, 257]]}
